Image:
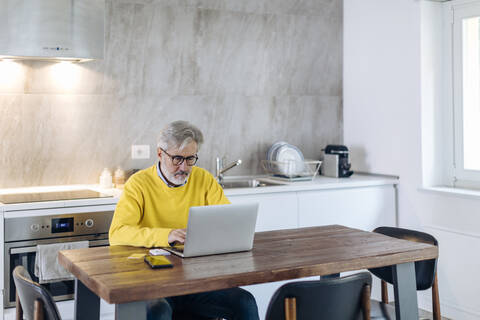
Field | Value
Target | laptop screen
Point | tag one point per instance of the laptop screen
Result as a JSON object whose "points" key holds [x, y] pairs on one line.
{"points": [[219, 229]]}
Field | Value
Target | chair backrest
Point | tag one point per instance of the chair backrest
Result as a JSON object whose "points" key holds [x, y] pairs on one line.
{"points": [[332, 298], [29, 291], [424, 270]]}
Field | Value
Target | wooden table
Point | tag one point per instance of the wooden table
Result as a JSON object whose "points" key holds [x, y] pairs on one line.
{"points": [[106, 272]]}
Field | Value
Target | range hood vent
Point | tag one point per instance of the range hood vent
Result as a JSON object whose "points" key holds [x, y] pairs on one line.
{"points": [[52, 29]]}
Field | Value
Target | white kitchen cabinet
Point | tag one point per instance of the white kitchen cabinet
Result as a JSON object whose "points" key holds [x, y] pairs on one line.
{"points": [[276, 211], [363, 208]]}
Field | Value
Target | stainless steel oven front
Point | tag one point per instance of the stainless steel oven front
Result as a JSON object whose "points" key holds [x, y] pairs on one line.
{"points": [[23, 234]]}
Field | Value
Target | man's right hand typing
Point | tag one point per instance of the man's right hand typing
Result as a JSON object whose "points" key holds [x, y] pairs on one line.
{"points": [[177, 235]]}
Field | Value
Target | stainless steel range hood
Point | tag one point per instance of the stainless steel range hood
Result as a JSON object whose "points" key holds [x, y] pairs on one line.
{"points": [[52, 29]]}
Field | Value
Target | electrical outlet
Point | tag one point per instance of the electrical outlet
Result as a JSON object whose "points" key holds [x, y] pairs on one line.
{"points": [[140, 151]]}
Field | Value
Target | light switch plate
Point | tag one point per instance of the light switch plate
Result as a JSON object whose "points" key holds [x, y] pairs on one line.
{"points": [[140, 151]]}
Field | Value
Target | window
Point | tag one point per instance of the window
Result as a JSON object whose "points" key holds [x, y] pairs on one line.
{"points": [[466, 94]]}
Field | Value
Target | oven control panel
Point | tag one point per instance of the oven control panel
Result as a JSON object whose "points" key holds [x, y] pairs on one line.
{"points": [[40, 227]]}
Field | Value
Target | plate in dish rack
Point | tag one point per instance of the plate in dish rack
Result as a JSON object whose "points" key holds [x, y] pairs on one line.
{"points": [[271, 151], [290, 160], [271, 154]]}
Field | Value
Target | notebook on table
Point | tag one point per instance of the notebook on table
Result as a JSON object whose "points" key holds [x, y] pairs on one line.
{"points": [[218, 229]]}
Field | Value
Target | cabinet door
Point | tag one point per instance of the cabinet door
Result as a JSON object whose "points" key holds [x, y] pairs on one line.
{"points": [[363, 208], [276, 210]]}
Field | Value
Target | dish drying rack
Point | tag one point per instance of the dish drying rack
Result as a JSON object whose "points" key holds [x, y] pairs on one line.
{"points": [[291, 170]]}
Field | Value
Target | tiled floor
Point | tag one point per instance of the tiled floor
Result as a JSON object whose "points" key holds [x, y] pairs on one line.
{"points": [[109, 315], [424, 315]]}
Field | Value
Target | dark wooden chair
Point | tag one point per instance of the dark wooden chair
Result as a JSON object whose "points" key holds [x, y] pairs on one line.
{"points": [[33, 300], [425, 272], [333, 298]]}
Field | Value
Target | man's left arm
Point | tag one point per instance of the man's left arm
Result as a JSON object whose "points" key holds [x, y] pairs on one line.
{"points": [[215, 194]]}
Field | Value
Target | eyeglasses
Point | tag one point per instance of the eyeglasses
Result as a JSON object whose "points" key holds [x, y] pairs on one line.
{"points": [[178, 160]]}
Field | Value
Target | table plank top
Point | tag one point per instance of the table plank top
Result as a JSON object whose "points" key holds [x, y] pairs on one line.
{"points": [[276, 255]]}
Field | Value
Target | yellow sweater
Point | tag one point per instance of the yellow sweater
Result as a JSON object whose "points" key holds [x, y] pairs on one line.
{"points": [[148, 209]]}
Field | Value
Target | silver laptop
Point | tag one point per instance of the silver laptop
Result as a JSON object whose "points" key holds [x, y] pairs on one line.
{"points": [[218, 229]]}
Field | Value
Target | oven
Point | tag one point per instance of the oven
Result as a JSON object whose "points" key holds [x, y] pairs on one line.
{"points": [[23, 234]]}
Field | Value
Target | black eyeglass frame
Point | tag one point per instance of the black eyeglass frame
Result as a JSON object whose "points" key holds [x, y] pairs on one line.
{"points": [[180, 159]]}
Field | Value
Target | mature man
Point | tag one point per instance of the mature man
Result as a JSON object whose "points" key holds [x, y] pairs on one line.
{"points": [[153, 212]]}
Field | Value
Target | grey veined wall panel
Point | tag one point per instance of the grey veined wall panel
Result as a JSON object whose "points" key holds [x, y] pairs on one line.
{"points": [[248, 73]]}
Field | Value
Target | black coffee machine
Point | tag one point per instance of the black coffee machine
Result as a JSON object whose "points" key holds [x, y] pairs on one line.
{"points": [[335, 162]]}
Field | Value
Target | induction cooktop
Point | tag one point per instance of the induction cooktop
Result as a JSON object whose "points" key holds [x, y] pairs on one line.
{"points": [[51, 196]]}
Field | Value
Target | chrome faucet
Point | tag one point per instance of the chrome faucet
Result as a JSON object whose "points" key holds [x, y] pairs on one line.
{"points": [[220, 169]]}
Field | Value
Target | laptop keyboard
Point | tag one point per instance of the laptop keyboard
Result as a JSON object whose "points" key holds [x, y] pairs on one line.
{"points": [[178, 247]]}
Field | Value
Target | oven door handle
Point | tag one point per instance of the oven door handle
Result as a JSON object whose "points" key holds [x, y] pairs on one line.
{"points": [[91, 243], [23, 250]]}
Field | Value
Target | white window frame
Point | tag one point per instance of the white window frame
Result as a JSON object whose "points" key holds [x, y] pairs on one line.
{"points": [[458, 10]]}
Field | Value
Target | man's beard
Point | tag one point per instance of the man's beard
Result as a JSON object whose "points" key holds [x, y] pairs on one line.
{"points": [[178, 178]]}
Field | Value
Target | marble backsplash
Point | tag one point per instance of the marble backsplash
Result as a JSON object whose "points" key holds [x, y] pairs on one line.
{"points": [[248, 73]]}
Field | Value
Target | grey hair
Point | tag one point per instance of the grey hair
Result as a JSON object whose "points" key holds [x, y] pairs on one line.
{"points": [[178, 134]]}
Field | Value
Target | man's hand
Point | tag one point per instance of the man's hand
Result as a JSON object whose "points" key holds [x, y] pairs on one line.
{"points": [[177, 235]]}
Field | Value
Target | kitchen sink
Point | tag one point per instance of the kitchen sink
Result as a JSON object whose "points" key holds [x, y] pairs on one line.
{"points": [[247, 183]]}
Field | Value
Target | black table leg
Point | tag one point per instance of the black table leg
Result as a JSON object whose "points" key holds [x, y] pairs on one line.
{"points": [[87, 303], [405, 287]]}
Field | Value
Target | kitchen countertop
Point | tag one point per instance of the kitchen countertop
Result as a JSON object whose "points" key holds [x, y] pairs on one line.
{"points": [[319, 183], [115, 194]]}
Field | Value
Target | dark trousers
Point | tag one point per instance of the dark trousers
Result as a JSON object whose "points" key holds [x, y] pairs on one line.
{"points": [[230, 304]]}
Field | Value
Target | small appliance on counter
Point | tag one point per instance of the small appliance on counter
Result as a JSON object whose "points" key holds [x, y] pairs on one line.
{"points": [[335, 162]]}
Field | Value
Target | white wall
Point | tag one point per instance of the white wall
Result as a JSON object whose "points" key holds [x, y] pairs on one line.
{"points": [[383, 128], [436, 140]]}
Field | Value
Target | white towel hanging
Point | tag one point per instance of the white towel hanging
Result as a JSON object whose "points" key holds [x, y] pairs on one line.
{"points": [[47, 268]]}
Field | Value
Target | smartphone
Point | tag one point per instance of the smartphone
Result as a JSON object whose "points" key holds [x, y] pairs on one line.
{"points": [[156, 262]]}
